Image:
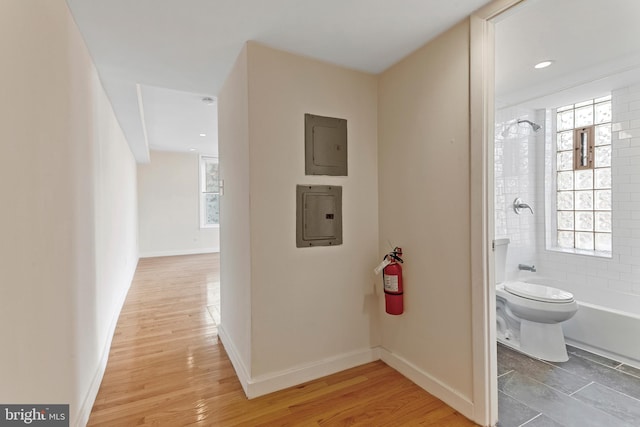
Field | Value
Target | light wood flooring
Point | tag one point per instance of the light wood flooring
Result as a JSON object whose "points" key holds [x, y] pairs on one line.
{"points": [[168, 368]]}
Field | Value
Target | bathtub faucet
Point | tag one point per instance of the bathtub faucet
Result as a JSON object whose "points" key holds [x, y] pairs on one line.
{"points": [[531, 268]]}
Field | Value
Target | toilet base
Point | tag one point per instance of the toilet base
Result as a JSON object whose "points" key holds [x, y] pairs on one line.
{"points": [[540, 340]]}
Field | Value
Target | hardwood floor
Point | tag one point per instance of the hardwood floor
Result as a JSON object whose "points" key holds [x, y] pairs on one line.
{"points": [[168, 368]]}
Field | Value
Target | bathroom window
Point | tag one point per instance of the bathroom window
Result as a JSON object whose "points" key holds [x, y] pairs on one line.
{"points": [[583, 176], [209, 192]]}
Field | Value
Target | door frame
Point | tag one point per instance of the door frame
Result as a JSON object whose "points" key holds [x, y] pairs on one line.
{"points": [[481, 108]]}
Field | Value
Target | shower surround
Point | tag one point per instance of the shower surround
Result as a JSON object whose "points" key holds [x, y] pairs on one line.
{"points": [[521, 170]]}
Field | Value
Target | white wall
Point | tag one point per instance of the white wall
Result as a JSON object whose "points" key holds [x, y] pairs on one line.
{"points": [[235, 233], [169, 207], [69, 245], [312, 310], [621, 272], [309, 304], [424, 176]]}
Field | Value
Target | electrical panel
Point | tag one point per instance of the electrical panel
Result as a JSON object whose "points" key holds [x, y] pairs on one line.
{"points": [[325, 140], [318, 215]]}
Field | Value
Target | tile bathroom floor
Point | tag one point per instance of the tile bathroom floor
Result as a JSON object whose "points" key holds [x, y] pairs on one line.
{"points": [[587, 390]]}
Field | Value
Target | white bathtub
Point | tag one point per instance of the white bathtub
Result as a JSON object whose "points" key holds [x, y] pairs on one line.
{"points": [[607, 323]]}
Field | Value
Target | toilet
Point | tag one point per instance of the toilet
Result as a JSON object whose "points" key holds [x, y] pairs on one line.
{"points": [[528, 315]]}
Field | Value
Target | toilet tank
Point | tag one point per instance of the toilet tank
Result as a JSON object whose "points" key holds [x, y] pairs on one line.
{"points": [[500, 254]]}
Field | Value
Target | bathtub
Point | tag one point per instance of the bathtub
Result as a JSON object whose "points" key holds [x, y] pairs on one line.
{"points": [[607, 323]]}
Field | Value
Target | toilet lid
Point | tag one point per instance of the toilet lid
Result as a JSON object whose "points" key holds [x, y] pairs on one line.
{"points": [[538, 292]]}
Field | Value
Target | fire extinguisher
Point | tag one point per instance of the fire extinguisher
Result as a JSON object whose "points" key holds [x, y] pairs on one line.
{"points": [[392, 278]]}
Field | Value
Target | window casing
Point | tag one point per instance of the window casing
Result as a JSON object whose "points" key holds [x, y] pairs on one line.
{"points": [[583, 177], [209, 192]]}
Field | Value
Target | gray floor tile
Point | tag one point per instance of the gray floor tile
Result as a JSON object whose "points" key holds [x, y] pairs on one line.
{"points": [[610, 401], [593, 357], [512, 413], [502, 369], [502, 379], [542, 421], [601, 374], [558, 406], [630, 370], [540, 371]]}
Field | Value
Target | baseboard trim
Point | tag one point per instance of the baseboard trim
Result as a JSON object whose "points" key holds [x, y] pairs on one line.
{"points": [[84, 413], [179, 252], [234, 356], [265, 384], [449, 396], [269, 383]]}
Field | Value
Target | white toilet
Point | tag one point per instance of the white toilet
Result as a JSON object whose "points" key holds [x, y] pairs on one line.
{"points": [[528, 316]]}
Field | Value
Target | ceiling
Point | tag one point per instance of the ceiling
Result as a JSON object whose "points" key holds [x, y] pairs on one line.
{"points": [[157, 59], [595, 46]]}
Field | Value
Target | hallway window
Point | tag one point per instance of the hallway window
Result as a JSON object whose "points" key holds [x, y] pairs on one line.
{"points": [[583, 176], [209, 192]]}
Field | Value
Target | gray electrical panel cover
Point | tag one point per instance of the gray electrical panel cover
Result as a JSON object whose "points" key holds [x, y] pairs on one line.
{"points": [[325, 142], [318, 215]]}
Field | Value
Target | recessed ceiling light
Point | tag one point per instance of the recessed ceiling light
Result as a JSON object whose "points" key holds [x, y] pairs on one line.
{"points": [[203, 134], [543, 64], [192, 149]]}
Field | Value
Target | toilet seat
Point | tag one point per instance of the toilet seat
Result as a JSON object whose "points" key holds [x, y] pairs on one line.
{"points": [[538, 292]]}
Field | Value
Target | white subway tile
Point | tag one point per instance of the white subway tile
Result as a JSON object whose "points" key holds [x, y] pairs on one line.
{"points": [[630, 278], [618, 126], [628, 169], [630, 259], [635, 88], [619, 215], [620, 268], [635, 151], [621, 116], [619, 107], [625, 187], [620, 179], [630, 224], [597, 282], [619, 285], [621, 249], [577, 278], [611, 275], [618, 161]]}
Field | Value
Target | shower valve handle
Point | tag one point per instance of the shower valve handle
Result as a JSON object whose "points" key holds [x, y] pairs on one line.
{"points": [[518, 205]]}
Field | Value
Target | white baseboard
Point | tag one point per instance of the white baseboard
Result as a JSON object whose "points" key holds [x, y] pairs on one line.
{"points": [[433, 386], [179, 252], [265, 384], [234, 356], [82, 417]]}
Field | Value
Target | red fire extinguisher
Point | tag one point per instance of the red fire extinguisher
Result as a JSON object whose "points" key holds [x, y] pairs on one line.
{"points": [[392, 278]]}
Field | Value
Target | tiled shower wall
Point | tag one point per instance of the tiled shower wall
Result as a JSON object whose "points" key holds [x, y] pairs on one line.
{"points": [[515, 176], [520, 170]]}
